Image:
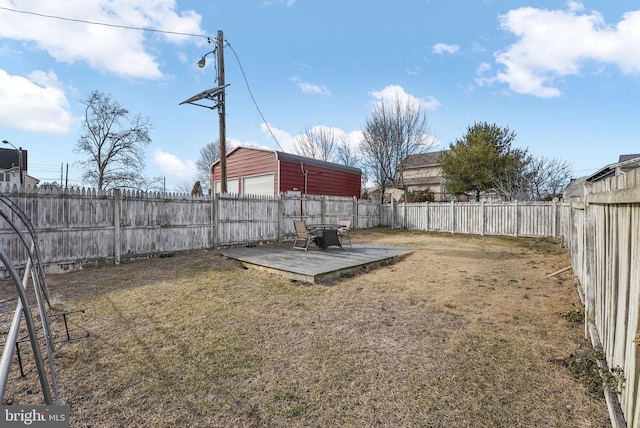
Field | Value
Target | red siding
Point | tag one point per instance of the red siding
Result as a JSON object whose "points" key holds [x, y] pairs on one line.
{"points": [[245, 162], [320, 181]]}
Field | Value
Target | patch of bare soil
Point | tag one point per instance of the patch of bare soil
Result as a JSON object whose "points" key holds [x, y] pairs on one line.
{"points": [[465, 331]]}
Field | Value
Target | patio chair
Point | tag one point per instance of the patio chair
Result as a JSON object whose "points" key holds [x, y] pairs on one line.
{"points": [[303, 235], [344, 227]]}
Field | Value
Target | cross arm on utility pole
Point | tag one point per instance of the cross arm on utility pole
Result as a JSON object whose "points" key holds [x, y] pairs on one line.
{"points": [[217, 95]]}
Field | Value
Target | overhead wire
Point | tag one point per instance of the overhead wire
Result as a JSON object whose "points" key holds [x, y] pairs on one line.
{"points": [[83, 21], [251, 94]]}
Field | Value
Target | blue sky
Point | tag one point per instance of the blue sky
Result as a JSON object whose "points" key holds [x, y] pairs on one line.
{"points": [[564, 76]]}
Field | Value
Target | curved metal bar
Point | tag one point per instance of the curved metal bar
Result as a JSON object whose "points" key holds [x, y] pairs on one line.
{"points": [[32, 232], [33, 333], [43, 314]]}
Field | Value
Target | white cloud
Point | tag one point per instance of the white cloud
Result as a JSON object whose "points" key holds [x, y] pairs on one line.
{"points": [[287, 141], [557, 43], [171, 165], [34, 103], [442, 48], [287, 3], [393, 92], [309, 88], [114, 50], [414, 70]]}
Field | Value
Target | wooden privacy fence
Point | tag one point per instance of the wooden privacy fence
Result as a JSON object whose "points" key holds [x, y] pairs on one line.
{"points": [[603, 236], [79, 226]]}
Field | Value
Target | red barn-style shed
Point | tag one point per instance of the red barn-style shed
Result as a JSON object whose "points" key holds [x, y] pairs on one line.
{"points": [[270, 172]]}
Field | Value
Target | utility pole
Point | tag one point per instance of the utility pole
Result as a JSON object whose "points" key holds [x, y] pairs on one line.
{"points": [[217, 95], [21, 167], [221, 114]]}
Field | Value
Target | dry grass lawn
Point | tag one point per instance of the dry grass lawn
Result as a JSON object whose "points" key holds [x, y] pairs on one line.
{"points": [[465, 331]]}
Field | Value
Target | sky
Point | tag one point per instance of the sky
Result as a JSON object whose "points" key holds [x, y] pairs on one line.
{"points": [[563, 75]]}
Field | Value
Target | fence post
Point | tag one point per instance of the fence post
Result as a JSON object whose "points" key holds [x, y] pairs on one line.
{"points": [[117, 218], [215, 216], [212, 225], [323, 208], [453, 218], [393, 214], [555, 218], [482, 214], [428, 217], [280, 219], [516, 218], [354, 223]]}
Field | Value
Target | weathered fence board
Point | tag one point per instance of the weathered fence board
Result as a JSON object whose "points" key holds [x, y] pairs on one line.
{"points": [[602, 232]]}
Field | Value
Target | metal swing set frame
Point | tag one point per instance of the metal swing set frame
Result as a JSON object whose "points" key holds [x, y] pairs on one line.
{"points": [[33, 270]]}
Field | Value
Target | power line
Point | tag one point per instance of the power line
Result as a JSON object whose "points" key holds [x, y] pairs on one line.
{"points": [[251, 94], [127, 27]]}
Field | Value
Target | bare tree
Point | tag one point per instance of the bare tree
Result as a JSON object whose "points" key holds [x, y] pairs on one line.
{"points": [[530, 178], [395, 130], [346, 155], [318, 142], [209, 154], [113, 142], [547, 177]]}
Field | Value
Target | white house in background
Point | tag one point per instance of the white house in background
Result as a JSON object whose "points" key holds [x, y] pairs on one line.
{"points": [[11, 167]]}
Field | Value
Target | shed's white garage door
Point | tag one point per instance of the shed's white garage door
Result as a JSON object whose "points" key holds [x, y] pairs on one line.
{"points": [[258, 185], [232, 186]]}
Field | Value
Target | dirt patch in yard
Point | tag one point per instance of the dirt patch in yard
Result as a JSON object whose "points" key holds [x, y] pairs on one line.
{"points": [[465, 331]]}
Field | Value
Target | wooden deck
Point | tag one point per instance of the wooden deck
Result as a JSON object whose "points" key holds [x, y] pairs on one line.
{"points": [[315, 266]]}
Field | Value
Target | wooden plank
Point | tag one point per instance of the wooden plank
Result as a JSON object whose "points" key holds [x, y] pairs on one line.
{"points": [[622, 196]]}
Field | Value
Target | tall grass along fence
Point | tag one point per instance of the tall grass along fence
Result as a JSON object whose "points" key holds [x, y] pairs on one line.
{"points": [[604, 242]]}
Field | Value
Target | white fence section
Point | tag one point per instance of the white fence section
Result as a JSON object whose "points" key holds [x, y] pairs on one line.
{"points": [[515, 218]]}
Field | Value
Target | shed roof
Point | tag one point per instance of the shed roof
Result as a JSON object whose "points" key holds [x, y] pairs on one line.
{"points": [[290, 157]]}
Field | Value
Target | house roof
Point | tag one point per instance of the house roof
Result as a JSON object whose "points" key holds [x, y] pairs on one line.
{"points": [[624, 158], [626, 163], [575, 188], [423, 160], [290, 157], [423, 181], [9, 158]]}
